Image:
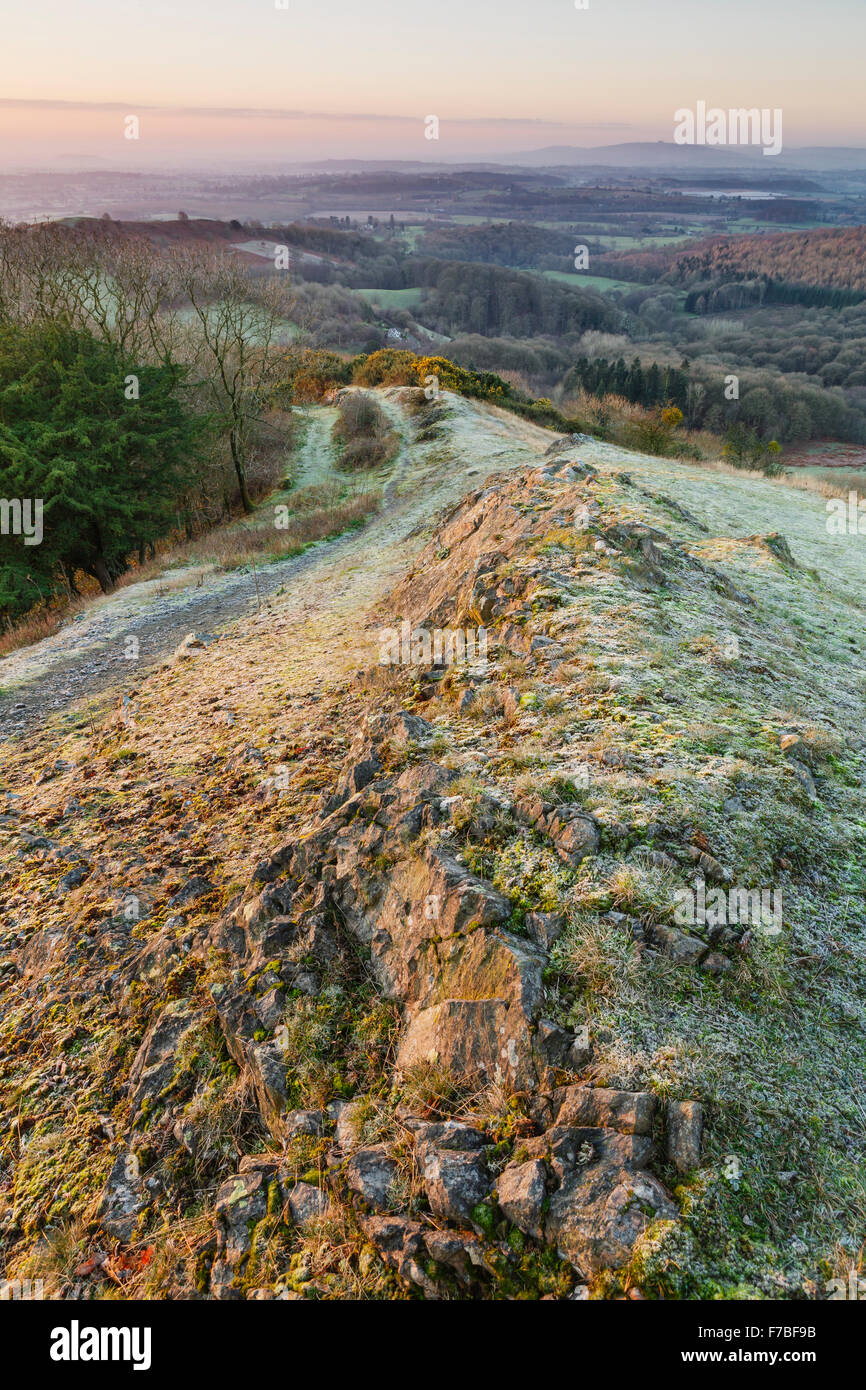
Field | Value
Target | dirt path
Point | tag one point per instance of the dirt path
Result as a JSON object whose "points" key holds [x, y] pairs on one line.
{"points": [[92, 655], [315, 460]]}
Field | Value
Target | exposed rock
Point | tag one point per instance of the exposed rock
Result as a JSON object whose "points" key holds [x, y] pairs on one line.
{"points": [[271, 1007], [521, 1190], [685, 1120], [267, 1067], [307, 1204], [74, 878], [455, 1181], [598, 1212], [124, 1197], [574, 834], [575, 837], [448, 1134], [401, 1245], [545, 927], [482, 1038], [242, 1201], [191, 891], [716, 963], [154, 1065], [565, 1145], [629, 1112], [297, 1122], [347, 1116], [805, 778], [459, 1251], [555, 1042], [370, 1172], [684, 949]]}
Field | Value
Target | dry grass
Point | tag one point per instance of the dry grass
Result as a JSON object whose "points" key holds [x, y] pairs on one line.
{"points": [[37, 625], [234, 546]]}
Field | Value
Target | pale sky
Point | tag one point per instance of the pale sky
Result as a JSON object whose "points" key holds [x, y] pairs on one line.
{"points": [[339, 78]]}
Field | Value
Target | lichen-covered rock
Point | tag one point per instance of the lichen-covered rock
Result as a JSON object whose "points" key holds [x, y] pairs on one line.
{"points": [[521, 1190], [598, 1212], [348, 1118], [447, 1134], [241, 1202], [471, 1038], [307, 1204], [458, 1250], [629, 1112], [155, 1062], [297, 1122], [268, 1070], [545, 927], [400, 1243]]}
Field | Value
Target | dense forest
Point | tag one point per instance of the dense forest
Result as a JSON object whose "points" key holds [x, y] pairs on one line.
{"points": [[520, 245], [494, 300]]}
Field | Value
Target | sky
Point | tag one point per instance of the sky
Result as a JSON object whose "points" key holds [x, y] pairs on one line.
{"points": [[235, 83]]}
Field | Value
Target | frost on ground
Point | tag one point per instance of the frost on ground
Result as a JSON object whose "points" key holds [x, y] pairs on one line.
{"points": [[328, 978]]}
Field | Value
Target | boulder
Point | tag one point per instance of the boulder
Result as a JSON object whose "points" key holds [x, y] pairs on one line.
{"points": [[598, 1213]]}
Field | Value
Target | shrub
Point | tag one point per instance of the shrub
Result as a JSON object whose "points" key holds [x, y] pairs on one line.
{"points": [[363, 433]]}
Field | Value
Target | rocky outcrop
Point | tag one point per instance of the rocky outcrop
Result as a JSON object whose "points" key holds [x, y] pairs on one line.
{"points": [[471, 988], [437, 935]]}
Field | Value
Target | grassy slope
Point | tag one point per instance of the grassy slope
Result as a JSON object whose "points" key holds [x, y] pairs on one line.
{"points": [[775, 1049]]}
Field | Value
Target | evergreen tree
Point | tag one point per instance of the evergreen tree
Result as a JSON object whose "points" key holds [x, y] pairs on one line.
{"points": [[106, 445], [636, 385]]}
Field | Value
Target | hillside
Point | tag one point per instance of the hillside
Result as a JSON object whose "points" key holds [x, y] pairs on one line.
{"points": [[822, 257], [327, 977]]}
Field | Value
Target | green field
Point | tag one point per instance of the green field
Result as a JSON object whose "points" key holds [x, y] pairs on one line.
{"points": [[393, 299], [579, 280]]}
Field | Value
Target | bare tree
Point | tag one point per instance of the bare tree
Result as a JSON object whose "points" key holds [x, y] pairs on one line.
{"points": [[235, 343], [115, 286]]}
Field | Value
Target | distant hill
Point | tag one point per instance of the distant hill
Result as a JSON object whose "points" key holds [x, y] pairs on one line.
{"points": [[639, 154], [663, 154]]}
